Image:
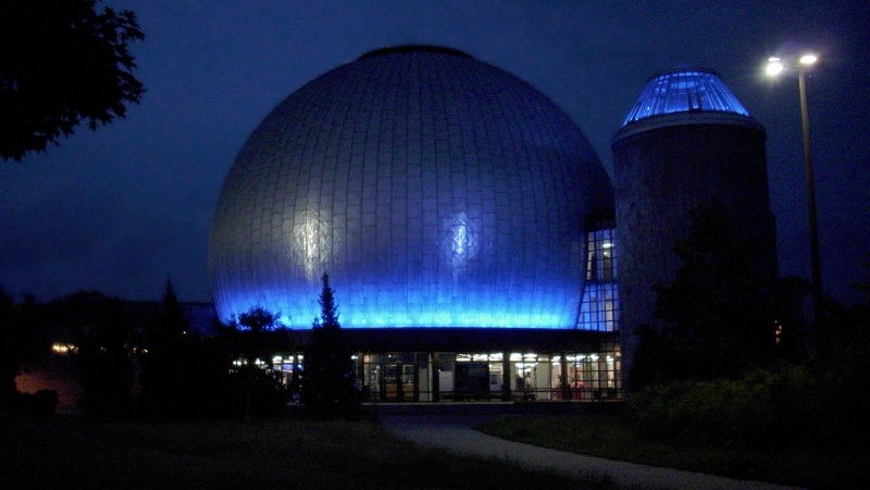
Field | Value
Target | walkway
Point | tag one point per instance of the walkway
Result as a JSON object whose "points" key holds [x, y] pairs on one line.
{"points": [[454, 433]]}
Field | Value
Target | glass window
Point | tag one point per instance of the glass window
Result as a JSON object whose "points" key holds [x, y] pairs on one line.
{"points": [[599, 306]]}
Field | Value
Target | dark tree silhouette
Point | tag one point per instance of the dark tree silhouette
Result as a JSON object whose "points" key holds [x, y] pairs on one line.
{"points": [[329, 382], [170, 363], [21, 339], [718, 314], [254, 329], [255, 337], [103, 333], [62, 62]]}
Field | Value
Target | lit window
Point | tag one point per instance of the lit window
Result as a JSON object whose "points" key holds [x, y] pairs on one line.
{"points": [[599, 306]]}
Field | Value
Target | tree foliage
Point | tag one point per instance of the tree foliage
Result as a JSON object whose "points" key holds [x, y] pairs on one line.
{"points": [[22, 339], [62, 62], [174, 368], [102, 330], [819, 402], [329, 385], [254, 337], [718, 314]]}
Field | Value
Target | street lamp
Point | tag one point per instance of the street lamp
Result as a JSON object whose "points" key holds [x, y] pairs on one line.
{"points": [[776, 66]]}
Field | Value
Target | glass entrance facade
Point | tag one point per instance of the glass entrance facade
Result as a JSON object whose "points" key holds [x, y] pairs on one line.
{"points": [[490, 376], [393, 376]]}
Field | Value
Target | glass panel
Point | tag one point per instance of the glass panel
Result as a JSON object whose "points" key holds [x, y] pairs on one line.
{"points": [[684, 91], [372, 382], [599, 306], [408, 382]]}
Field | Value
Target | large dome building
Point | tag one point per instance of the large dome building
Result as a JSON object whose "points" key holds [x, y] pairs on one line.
{"points": [[467, 226], [434, 189]]}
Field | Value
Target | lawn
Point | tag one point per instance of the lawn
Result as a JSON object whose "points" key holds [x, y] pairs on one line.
{"points": [[606, 436], [71, 452]]}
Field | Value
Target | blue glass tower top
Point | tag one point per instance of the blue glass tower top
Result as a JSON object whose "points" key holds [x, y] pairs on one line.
{"points": [[684, 91]]}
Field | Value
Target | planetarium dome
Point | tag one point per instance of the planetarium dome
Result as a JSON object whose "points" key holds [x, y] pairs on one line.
{"points": [[434, 189]]}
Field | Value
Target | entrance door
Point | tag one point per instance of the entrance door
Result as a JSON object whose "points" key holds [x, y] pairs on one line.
{"points": [[400, 382]]}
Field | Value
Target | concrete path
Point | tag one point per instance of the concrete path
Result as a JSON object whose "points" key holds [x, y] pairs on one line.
{"points": [[454, 433]]}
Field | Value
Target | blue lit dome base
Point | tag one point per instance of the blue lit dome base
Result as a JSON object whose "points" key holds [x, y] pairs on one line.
{"points": [[684, 91], [435, 190]]}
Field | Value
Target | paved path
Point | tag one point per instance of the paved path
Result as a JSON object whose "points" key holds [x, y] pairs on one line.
{"points": [[454, 433]]}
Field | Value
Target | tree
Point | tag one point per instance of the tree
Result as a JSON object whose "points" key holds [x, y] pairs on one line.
{"points": [[62, 62], [103, 333], [718, 313], [255, 337], [168, 360], [330, 384], [21, 340]]}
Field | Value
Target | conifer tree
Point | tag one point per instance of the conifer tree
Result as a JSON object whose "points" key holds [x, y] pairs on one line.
{"points": [[329, 383], [165, 364]]}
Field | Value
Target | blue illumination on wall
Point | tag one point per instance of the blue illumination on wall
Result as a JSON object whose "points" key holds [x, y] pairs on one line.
{"points": [[684, 91], [435, 190]]}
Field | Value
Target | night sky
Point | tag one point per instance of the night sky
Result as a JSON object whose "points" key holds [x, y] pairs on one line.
{"points": [[122, 208]]}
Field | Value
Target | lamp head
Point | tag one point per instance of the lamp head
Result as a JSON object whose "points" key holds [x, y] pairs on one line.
{"points": [[774, 67], [808, 59]]}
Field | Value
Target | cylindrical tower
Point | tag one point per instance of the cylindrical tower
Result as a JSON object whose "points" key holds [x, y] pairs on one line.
{"points": [[687, 142]]}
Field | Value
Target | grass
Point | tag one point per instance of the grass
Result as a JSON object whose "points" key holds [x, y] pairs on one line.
{"points": [[71, 452], [606, 436]]}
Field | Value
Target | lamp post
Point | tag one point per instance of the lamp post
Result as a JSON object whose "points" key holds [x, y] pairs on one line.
{"points": [[775, 66]]}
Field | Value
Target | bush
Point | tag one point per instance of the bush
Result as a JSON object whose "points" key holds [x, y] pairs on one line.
{"points": [[42, 403], [253, 391], [764, 408], [199, 386]]}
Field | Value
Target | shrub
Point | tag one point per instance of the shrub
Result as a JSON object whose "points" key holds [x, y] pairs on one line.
{"points": [[42, 403], [253, 391], [764, 408]]}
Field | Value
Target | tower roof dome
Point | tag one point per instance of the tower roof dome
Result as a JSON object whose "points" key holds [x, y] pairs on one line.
{"points": [[684, 90]]}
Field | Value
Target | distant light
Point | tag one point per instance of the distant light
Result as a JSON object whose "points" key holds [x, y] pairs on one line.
{"points": [[606, 245], [63, 348], [808, 59], [774, 68], [772, 59]]}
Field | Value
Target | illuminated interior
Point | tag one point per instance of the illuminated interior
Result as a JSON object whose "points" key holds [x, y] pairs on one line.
{"points": [[482, 376], [684, 91], [599, 308]]}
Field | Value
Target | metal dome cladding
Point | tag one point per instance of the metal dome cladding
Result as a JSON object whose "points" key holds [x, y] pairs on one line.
{"points": [[434, 189]]}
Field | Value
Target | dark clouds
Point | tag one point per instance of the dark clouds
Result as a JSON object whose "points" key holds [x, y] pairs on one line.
{"points": [[122, 208]]}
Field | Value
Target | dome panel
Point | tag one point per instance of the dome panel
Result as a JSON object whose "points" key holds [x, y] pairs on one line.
{"points": [[434, 189]]}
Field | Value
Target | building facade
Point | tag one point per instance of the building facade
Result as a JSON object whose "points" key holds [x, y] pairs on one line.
{"points": [[465, 222]]}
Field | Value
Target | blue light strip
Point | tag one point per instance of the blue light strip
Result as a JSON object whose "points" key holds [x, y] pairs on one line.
{"points": [[684, 91], [520, 313]]}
